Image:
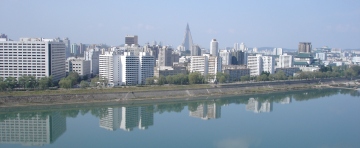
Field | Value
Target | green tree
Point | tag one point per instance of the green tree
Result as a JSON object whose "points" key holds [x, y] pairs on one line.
{"points": [[11, 82], [245, 78], [280, 75], [170, 79], [2, 84], [45, 82], [263, 77], [84, 84], [74, 77], [196, 78], [149, 81], [161, 80], [65, 83], [95, 81]]}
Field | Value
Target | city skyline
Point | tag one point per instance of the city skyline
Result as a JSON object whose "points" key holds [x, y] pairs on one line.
{"points": [[257, 24]]}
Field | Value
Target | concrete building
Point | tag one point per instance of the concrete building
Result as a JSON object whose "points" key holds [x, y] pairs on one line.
{"points": [[225, 56], [79, 65], [146, 67], [32, 57], [238, 58], [131, 40], [304, 47], [259, 63], [164, 57], [206, 65], [277, 51], [214, 48], [235, 72], [92, 55], [109, 68], [321, 56], [36, 130], [285, 61], [168, 70], [195, 50], [199, 64]]}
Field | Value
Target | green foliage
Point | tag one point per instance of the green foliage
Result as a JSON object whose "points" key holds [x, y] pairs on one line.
{"points": [[222, 77], [245, 78], [150, 81], [94, 81], [65, 83], [45, 82], [263, 77], [196, 78], [84, 84], [11, 82], [161, 80]]}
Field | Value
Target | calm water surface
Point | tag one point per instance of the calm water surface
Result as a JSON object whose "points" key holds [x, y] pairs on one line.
{"points": [[312, 118]]}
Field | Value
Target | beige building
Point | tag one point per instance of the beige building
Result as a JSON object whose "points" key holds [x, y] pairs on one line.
{"points": [[79, 65], [235, 72], [168, 70]]}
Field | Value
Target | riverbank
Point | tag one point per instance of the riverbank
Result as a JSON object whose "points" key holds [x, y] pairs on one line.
{"points": [[128, 95]]}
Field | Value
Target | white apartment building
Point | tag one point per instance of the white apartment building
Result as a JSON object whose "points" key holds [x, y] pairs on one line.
{"points": [[206, 65], [126, 69], [79, 65], [254, 63], [146, 66], [268, 64], [32, 57], [259, 63], [199, 64], [277, 51], [214, 47], [285, 61], [109, 68], [225, 56]]}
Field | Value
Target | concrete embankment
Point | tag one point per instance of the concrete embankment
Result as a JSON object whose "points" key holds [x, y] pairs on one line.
{"points": [[126, 97]]}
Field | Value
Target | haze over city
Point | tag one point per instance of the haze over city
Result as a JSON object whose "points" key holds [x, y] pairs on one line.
{"points": [[256, 23]]}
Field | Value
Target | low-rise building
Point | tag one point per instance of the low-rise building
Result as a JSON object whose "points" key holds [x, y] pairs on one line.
{"points": [[169, 70], [79, 65], [289, 71], [235, 72]]}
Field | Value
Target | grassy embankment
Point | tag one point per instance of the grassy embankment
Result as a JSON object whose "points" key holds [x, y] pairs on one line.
{"points": [[103, 90]]}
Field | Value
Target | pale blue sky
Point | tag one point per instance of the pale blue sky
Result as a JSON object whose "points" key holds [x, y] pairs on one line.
{"points": [[257, 23]]}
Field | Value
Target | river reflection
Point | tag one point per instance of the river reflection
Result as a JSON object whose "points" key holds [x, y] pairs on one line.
{"points": [[36, 127]]}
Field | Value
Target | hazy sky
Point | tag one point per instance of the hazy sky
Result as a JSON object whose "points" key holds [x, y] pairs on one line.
{"points": [[257, 23]]}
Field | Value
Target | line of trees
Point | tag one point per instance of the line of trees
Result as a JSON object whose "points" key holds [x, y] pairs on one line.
{"points": [[25, 83]]}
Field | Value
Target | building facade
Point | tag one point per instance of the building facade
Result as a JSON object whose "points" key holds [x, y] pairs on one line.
{"points": [[214, 48], [304, 47], [32, 57]]}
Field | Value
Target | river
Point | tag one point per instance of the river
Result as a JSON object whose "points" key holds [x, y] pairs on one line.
{"points": [[307, 118]]}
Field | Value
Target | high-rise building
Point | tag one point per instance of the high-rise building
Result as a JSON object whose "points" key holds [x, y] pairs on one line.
{"points": [[164, 57], [188, 42], [214, 48], [146, 67], [238, 57], [109, 68], [206, 65], [32, 57], [259, 63], [225, 56], [277, 51], [92, 55], [131, 40], [32, 131], [304, 47], [126, 69], [321, 56], [195, 50]]}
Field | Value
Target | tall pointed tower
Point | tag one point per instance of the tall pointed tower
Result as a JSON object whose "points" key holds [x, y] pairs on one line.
{"points": [[188, 42]]}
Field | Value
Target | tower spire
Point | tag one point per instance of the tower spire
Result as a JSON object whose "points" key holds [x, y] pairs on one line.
{"points": [[188, 42]]}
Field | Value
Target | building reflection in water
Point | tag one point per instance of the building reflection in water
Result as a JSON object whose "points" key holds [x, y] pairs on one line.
{"points": [[207, 111], [127, 118], [258, 107], [35, 130], [286, 100]]}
